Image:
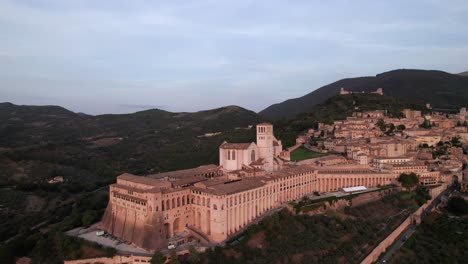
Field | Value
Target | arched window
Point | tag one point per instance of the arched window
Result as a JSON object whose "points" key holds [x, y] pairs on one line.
{"points": [[162, 205], [203, 203], [183, 200], [252, 155], [215, 207], [173, 203], [233, 154], [167, 205], [229, 155], [178, 201]]}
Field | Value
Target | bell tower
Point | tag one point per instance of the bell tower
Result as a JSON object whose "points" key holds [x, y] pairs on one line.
{"points": [[265, 139]]}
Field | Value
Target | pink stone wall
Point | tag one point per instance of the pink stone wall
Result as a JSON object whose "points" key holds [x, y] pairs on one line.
{"points": [[113, 260]]}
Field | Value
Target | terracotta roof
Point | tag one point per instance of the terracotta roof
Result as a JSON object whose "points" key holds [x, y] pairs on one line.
{"points": [[264, 124], [187, 172], [139, 179], [257, 162], [231, 187], [235, 145], [189, 180]]}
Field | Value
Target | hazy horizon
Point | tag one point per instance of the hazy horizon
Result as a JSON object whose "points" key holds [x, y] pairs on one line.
{"points": [[126, 56]]}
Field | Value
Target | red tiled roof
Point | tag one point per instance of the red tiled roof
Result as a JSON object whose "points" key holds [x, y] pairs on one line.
{"points": [[235, 145]]}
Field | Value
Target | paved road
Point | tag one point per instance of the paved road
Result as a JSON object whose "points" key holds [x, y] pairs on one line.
{"points": [[411, 229], [398, 244]]}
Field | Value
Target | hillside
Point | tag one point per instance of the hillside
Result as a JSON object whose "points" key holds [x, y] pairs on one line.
{"points": [[440, 89], [38, 143], [338, 107]]}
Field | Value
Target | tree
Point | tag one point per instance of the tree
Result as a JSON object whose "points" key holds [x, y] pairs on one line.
{"points": [[457, 205], [174, 257], [381, 124], [455, 141], [158, 258], [426, 124], [422, 195], [401, 127], [89, 217], [408, 181], [194, 255]]}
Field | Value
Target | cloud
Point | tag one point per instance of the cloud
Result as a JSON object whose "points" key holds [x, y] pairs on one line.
{"points": [[99, 56]]}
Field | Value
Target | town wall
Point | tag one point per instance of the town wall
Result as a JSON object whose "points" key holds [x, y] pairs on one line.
{"points": [[114, 260], [415, 217]]}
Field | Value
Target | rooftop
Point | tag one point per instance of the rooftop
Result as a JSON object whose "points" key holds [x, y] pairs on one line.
{"points": [[139, 179], [226, 145], [187, 172]]}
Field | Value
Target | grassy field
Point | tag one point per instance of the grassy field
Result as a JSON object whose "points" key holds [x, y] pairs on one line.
{"points": [[302, 153]]}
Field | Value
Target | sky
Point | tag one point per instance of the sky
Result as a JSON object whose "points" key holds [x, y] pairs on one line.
{"points": [[119, 56]]}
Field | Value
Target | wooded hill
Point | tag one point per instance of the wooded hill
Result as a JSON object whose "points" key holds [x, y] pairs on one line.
{"points": [[442, 90]]}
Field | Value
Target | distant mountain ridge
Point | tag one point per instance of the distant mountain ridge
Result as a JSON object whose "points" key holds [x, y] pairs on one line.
{"points": [[440, 89], [35, 124]]}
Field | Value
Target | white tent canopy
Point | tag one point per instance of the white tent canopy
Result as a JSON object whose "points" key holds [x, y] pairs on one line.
{"points": [[355, 189]]}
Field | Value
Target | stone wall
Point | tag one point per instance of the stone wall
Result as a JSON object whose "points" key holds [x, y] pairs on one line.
{"points": [[415, 217], [122, 223], [371, 196], [113, 260]]}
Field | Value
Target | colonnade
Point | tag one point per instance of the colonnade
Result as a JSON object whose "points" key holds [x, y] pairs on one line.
{"points": [[245, 207], [330, 182]]}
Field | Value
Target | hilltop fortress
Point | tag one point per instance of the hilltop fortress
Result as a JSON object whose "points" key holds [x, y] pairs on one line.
{"points": [[211, 203], [379, 91]]}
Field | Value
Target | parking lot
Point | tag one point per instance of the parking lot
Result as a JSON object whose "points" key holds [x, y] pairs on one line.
{"points": [[106, 240]]}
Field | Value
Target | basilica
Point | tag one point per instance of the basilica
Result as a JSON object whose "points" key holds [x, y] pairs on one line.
{"points": [[212, 203]]}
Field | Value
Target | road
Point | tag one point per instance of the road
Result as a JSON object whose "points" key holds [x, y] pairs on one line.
{"points": [[398, 244], [411, 229]]}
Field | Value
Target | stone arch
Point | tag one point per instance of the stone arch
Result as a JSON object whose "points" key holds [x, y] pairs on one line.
{"points": [[167, 229], [208, 222], [177, 228], [199, 220]]}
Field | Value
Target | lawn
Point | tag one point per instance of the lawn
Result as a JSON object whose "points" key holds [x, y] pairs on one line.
{"points": [[302, 153]]}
